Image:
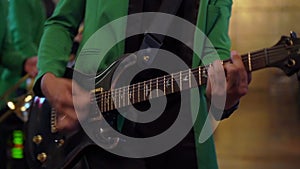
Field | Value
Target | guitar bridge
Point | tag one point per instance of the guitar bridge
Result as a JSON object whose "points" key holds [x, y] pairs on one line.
{"points": [[53, 121]]}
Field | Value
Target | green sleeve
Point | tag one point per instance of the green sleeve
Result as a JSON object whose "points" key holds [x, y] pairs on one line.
{"points": [[19, 19], [11, 59], [213, 20], [8, 57], [219, 12], [56, 42]]}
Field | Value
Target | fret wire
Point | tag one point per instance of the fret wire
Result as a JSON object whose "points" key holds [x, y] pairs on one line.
{"points": [[164, 85], [150, 93], [119, 97], [180, 80], [128, 95], [147, 84], [101, 102], [157, 87], [199, 75], [249, 61], [190, 80], [113, 101], [108, 101], [124, 97], [172, 83], [133, 96], [139, 92], [144, 90], [104, 101]]}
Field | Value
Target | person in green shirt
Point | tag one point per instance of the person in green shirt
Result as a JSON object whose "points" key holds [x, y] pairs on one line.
{"points": [[210, 16], [10, 61], [13, 63], [26, 19]]}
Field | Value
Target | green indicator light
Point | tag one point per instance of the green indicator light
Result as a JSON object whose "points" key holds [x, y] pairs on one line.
{"points": [[17, 153], [17, 150], [18, 137], [18, 133], [18, 141]]}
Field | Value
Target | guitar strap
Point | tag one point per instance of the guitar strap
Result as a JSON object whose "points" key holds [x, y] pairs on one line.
{"points": [[152, 40]]}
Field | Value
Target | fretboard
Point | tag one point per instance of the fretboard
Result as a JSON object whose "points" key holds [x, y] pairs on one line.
{"points": [[149, 89]]}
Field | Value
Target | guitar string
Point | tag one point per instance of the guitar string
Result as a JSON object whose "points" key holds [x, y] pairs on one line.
{"points": [[110, 99], [266, 51], [168, 76], [151, 82], [141, 90], [262, 53], [253, 58], [160, 80], [270, 59], [131, 88]]}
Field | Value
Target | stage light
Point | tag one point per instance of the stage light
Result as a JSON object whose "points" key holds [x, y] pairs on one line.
{"points": [[11, 105], [28, 98], [23, 108]]}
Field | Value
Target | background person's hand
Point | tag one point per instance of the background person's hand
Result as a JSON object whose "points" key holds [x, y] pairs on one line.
{"points": [[30, 66]]}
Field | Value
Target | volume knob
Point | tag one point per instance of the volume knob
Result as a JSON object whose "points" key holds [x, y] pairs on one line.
{"points": [[37, 139], [42, 157]]}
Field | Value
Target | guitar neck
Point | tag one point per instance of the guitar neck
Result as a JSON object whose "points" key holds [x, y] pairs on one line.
{"points": [[176, 82], [259, 59]]}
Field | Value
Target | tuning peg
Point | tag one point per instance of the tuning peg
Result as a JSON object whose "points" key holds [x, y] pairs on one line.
{"points": [[293, 34]]}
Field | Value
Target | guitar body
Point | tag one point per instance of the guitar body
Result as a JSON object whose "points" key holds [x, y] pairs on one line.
{"points": [[50, 149], [47, 149]]}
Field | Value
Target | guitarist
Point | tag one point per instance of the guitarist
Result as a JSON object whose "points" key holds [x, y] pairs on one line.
{"points": [[211, 16]]}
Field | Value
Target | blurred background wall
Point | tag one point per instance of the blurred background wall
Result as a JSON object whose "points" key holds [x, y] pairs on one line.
{"points": [[265, 132]]}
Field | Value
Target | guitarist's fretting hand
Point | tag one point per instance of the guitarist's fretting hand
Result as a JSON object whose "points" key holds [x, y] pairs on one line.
{"points": [[237, 80], [60, 95]]}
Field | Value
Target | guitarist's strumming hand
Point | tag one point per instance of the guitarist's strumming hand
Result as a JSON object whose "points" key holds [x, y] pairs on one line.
{"points": [[59, 93], [237, 80]]}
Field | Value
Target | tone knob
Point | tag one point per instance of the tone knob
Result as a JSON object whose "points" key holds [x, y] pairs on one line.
{"points": [[42, 157], [37, 139]]}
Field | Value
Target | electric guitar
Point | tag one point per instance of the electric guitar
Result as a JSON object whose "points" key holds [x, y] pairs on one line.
{"points": [[49, 149]]}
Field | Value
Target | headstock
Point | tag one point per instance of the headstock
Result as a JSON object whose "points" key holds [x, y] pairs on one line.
{"points": [[286, 54]]}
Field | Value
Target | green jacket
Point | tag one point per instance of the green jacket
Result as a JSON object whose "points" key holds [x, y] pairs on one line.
{"points": [[26, 21], [9, 58], [26, 24], [213, 20]]}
